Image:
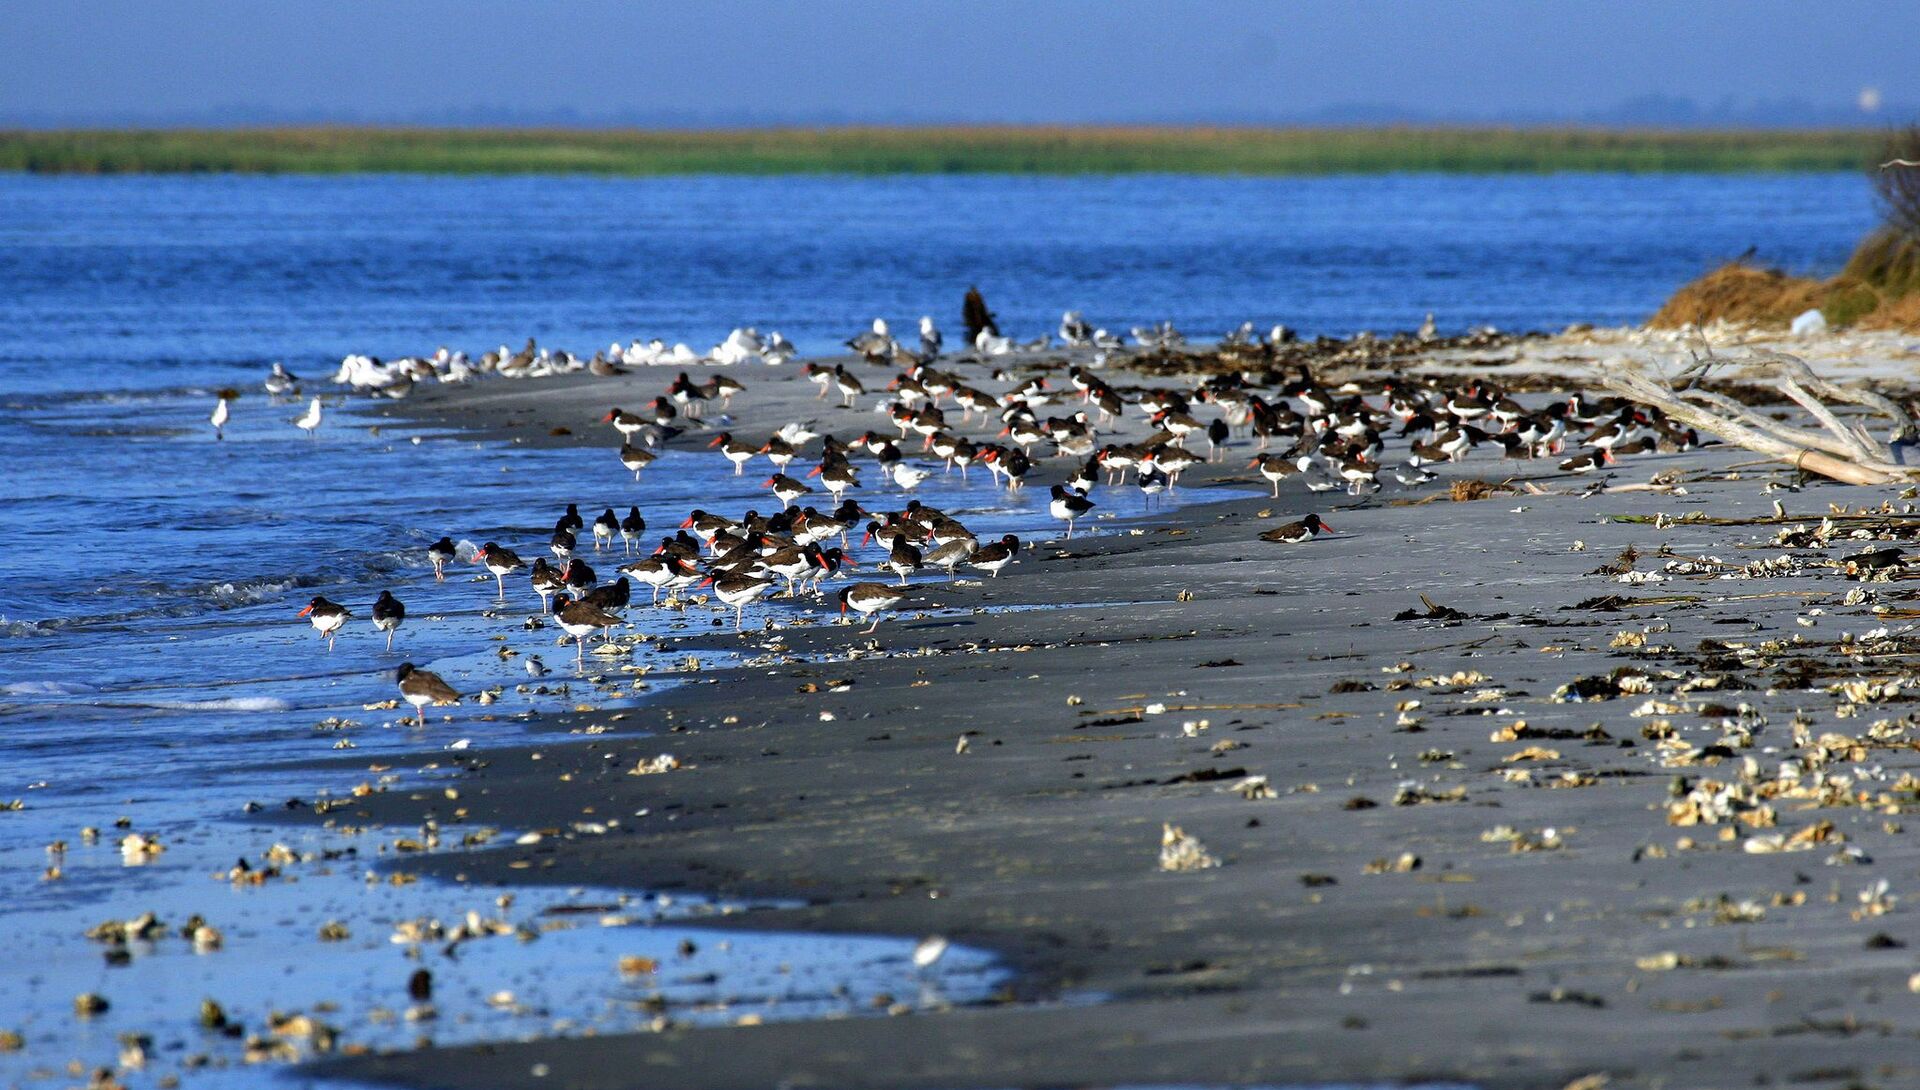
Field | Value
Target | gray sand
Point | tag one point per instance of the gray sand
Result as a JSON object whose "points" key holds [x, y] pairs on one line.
{"points": [[1546, 933]]}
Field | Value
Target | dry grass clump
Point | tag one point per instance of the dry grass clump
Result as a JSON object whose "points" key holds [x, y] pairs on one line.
{"points": [[1877, 289], [1473, 488], [1743, 293]]}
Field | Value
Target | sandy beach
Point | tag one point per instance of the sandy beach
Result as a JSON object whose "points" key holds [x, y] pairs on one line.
{"points": [[1476, 798]]}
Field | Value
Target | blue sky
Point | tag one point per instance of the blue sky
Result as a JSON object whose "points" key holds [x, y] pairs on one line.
{"points": [[690, 63]]}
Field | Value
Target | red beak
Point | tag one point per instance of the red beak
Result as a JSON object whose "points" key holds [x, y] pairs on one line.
{"points": [[849, 562], [687, 523], [1325, 527], [607, 418], [716, 442], [307, 610], [1253, 463], [703, 582], [768, 483], [815, 471]]}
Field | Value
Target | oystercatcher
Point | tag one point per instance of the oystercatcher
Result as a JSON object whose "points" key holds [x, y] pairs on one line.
{"points": [[326, 617], [660, 571], [631, 528], [993, 556], [636, 458], [388, 612], [579, 620], [1275, 468], [1069, 507], [546, 582], [786, 489], [605, 526], [737, 591], [869, 599], [737, 452], [501, 561], [1587, 463], [423, 687], [440, 554], [578, 577], [626, 422], [903, 558], [1294, 533]]}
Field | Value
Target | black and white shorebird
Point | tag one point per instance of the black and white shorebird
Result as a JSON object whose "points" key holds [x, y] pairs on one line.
{"points": [[869, 600], [1069, 507], [580, 620], [388, 612], [326, 616], [501, 561], [1294, 533], [995, 555], [440, 554], [737, 591], [423, 687]]}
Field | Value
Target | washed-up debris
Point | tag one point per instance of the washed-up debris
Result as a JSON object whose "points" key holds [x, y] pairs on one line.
{"points": [[1404, 863], [1413, 794], [665, 762], [1180, 851]]}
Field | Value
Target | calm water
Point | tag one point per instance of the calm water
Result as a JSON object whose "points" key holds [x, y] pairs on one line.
{"points": [[149, 579]]}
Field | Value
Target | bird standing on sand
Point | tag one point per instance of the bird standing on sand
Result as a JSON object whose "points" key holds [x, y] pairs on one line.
{"points": [[991, 557], [1069, 507], [1293, 533], [309, 421], [326, 617], [219, 418], [423, 687], [501, 561], [930, 338], [388, 612], [737, 591], [869, 599]]}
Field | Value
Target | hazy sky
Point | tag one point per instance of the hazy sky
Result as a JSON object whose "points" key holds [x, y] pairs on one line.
{"points": [[819, 60]]}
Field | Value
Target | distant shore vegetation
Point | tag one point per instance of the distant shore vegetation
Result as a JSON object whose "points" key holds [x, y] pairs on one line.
{"points": [[947, 150]]}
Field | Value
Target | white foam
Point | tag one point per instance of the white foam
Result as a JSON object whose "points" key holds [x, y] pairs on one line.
{"points": [[248, 593], [230, 704], [45, 688]]}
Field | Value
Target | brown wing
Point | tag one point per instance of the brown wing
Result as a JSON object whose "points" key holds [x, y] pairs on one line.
{"points": [[430, 684]]}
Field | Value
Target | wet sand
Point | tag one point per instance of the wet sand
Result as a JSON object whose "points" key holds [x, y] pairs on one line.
{"points": [[1431, 895]]}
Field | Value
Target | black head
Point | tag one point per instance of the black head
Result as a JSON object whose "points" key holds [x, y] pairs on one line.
{"points": [[404, 672]]}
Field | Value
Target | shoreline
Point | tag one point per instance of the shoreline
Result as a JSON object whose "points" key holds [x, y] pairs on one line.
{"points": [[1292, 962]]}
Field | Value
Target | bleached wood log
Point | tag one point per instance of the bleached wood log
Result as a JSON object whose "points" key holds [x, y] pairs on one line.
{"points": [[1805, 449]]}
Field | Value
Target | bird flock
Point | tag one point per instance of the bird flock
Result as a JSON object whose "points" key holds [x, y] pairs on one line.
{"points": [[1014, 426]]}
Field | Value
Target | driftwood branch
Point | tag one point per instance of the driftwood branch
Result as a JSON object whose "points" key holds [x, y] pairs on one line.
{"points": [[1839, 449]]}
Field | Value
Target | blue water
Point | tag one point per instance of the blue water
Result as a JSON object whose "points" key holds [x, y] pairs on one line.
{"points": [[149, 652]]}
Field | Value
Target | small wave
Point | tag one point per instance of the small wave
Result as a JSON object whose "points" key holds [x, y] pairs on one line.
{"points": [[247, 592], [229, 704], [17, 629], [45, 688]]}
